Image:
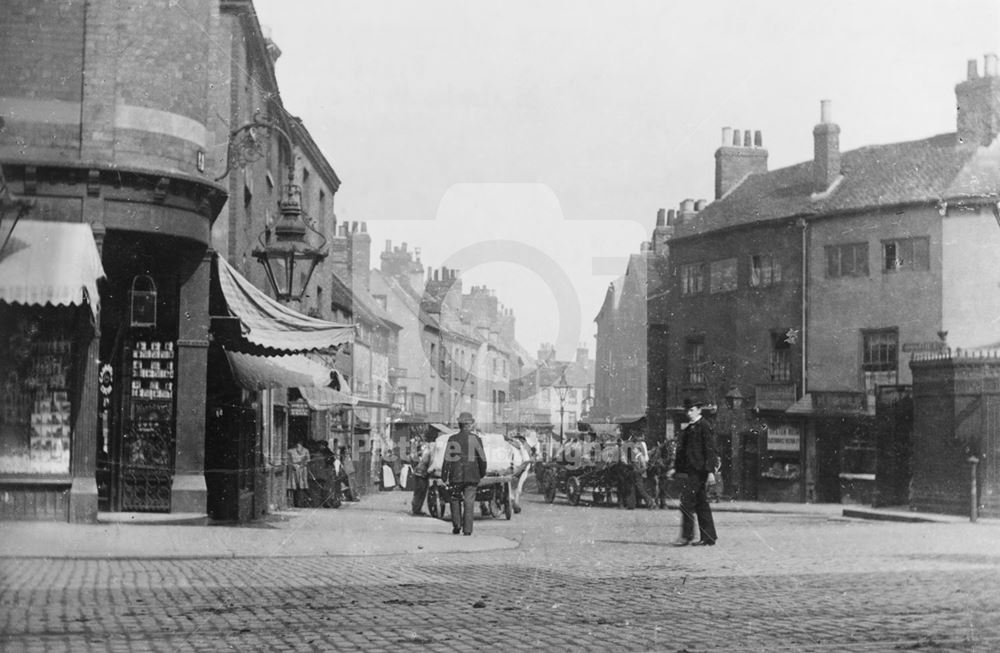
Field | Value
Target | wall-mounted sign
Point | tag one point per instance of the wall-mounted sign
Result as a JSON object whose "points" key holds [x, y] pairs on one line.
{"points": [[923, 346], [783, 437]]}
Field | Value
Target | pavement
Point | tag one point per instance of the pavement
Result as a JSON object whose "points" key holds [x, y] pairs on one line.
{"points": [[379, 524]]}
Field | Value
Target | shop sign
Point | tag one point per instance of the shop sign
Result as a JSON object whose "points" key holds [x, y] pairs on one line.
{"points": [[784, 438], [935, 346], [298, 408]]}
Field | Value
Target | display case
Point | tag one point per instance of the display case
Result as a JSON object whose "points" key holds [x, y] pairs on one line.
{"points": [[148, 435], [36, 366]]}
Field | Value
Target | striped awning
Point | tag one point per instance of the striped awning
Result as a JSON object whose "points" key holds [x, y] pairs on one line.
{"points": [[326, 398], [46, 262], [270, 324]]}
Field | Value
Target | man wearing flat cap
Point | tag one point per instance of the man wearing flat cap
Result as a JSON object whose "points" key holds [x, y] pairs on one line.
{"points": [[695, 463], [464, 466]]}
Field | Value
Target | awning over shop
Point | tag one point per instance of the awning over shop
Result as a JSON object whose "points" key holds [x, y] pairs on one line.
{"points": [[326, 398], [51, 263], [804, 406], [264, 372], [268, 323], [629, 419]]}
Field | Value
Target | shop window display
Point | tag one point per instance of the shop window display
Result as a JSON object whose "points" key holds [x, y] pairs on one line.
{"points": [[36, 370]]}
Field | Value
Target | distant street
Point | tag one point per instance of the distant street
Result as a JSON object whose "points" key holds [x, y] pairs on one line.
{"points": [[581, 578]]}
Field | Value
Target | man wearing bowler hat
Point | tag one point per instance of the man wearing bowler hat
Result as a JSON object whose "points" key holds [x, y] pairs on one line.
{"points": [[464, 465], [694, 466]]}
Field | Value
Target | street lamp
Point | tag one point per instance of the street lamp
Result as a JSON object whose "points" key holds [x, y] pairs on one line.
{"points": [[734, 398], [288, 259], [562, 389]]}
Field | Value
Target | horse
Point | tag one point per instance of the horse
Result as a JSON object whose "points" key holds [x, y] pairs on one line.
{"points": [[661, 461], [525, 446]]}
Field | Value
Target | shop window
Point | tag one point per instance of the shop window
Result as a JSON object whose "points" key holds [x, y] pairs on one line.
{"points": [[764, 271], [36, 375], [694, 362], [859, 451], [880, 361], [782, 459], [722, 275], [781, 358], [847, 260], [692, 278], [906, 254]]}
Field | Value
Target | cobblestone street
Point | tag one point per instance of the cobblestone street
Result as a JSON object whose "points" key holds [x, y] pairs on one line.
{"points": [[580, 578]]}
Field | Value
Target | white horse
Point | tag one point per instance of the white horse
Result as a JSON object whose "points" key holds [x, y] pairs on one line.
{"points": [[504, 457]]}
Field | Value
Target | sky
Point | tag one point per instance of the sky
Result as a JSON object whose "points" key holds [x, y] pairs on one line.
{"points": [[529, 143]]}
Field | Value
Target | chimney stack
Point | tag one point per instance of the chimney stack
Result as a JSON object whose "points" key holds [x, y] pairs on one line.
{"points": [[978, 99], [740, 155], [826, 149]]}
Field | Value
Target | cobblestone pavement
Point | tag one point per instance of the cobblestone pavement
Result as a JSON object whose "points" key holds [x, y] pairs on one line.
{"points": [[581, 579]]}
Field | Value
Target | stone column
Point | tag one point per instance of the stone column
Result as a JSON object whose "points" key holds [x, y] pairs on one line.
{"points": [[189, 492]]}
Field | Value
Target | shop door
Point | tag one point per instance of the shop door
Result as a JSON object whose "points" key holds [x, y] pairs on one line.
{"points": [[143, 451], [894, 424], [828, 436]]}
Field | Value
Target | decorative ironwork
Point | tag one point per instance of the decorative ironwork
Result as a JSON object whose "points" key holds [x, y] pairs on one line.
{"points": [[248, 142]]}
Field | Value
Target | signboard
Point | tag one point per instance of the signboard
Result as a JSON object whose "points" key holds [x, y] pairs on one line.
{"points": [[298, 408], [783, 437], [923, 346]]}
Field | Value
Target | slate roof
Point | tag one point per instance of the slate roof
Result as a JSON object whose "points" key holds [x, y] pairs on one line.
{"points": [[361, 306], [923, 171]]}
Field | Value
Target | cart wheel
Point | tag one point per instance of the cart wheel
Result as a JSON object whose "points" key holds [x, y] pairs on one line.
{"points": [[505, 500], [432, 501], [573, 490], [551, 488]]}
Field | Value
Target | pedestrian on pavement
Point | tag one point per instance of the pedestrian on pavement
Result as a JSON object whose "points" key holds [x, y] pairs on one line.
{"points": [[635, 461], [298, 473], [420, 481], [695, 466], [464, 466]]}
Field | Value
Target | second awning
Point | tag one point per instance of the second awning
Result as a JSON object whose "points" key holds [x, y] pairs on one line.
{"points": [[265, 372], [268, 323]]}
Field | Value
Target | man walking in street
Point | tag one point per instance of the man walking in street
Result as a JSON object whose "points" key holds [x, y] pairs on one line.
{"points": [[464, 466], [695, 467]]}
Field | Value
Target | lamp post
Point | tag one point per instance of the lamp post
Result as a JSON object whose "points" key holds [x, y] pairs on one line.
{"points": [[562, 389], [288, 259]]}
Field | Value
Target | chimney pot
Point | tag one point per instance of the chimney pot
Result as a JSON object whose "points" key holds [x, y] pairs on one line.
{"points": [[825, 112], [758, 139], [973, 69], [736, 138], [990, 65], [388, 245], [364, 227], [727, 135], [661, 217], [747, 139], [699, 205], [687, 206], [671, 216]]}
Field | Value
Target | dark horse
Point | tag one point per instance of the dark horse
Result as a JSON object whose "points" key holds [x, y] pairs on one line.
{"points": [[661, 461]]}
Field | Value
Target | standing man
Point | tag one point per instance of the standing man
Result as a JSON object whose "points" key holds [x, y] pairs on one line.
{"points": [[695, 467], [464, 465], [420, 473]]}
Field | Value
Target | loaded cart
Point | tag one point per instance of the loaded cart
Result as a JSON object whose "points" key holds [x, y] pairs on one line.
{"points": [[493, 493], [597, 471]]}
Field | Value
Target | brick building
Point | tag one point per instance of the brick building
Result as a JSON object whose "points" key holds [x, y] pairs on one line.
{"points": [[798, 291]]}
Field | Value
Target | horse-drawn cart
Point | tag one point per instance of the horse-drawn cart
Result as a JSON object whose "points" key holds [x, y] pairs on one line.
{"points": [[601, 479], [493, 495]]}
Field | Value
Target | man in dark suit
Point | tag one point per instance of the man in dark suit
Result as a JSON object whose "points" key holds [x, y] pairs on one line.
{"points": [[695, 466], [464, 465]]}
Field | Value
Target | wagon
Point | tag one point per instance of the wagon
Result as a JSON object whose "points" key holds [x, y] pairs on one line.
{"points": [[600, 479], [493, 494]]}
